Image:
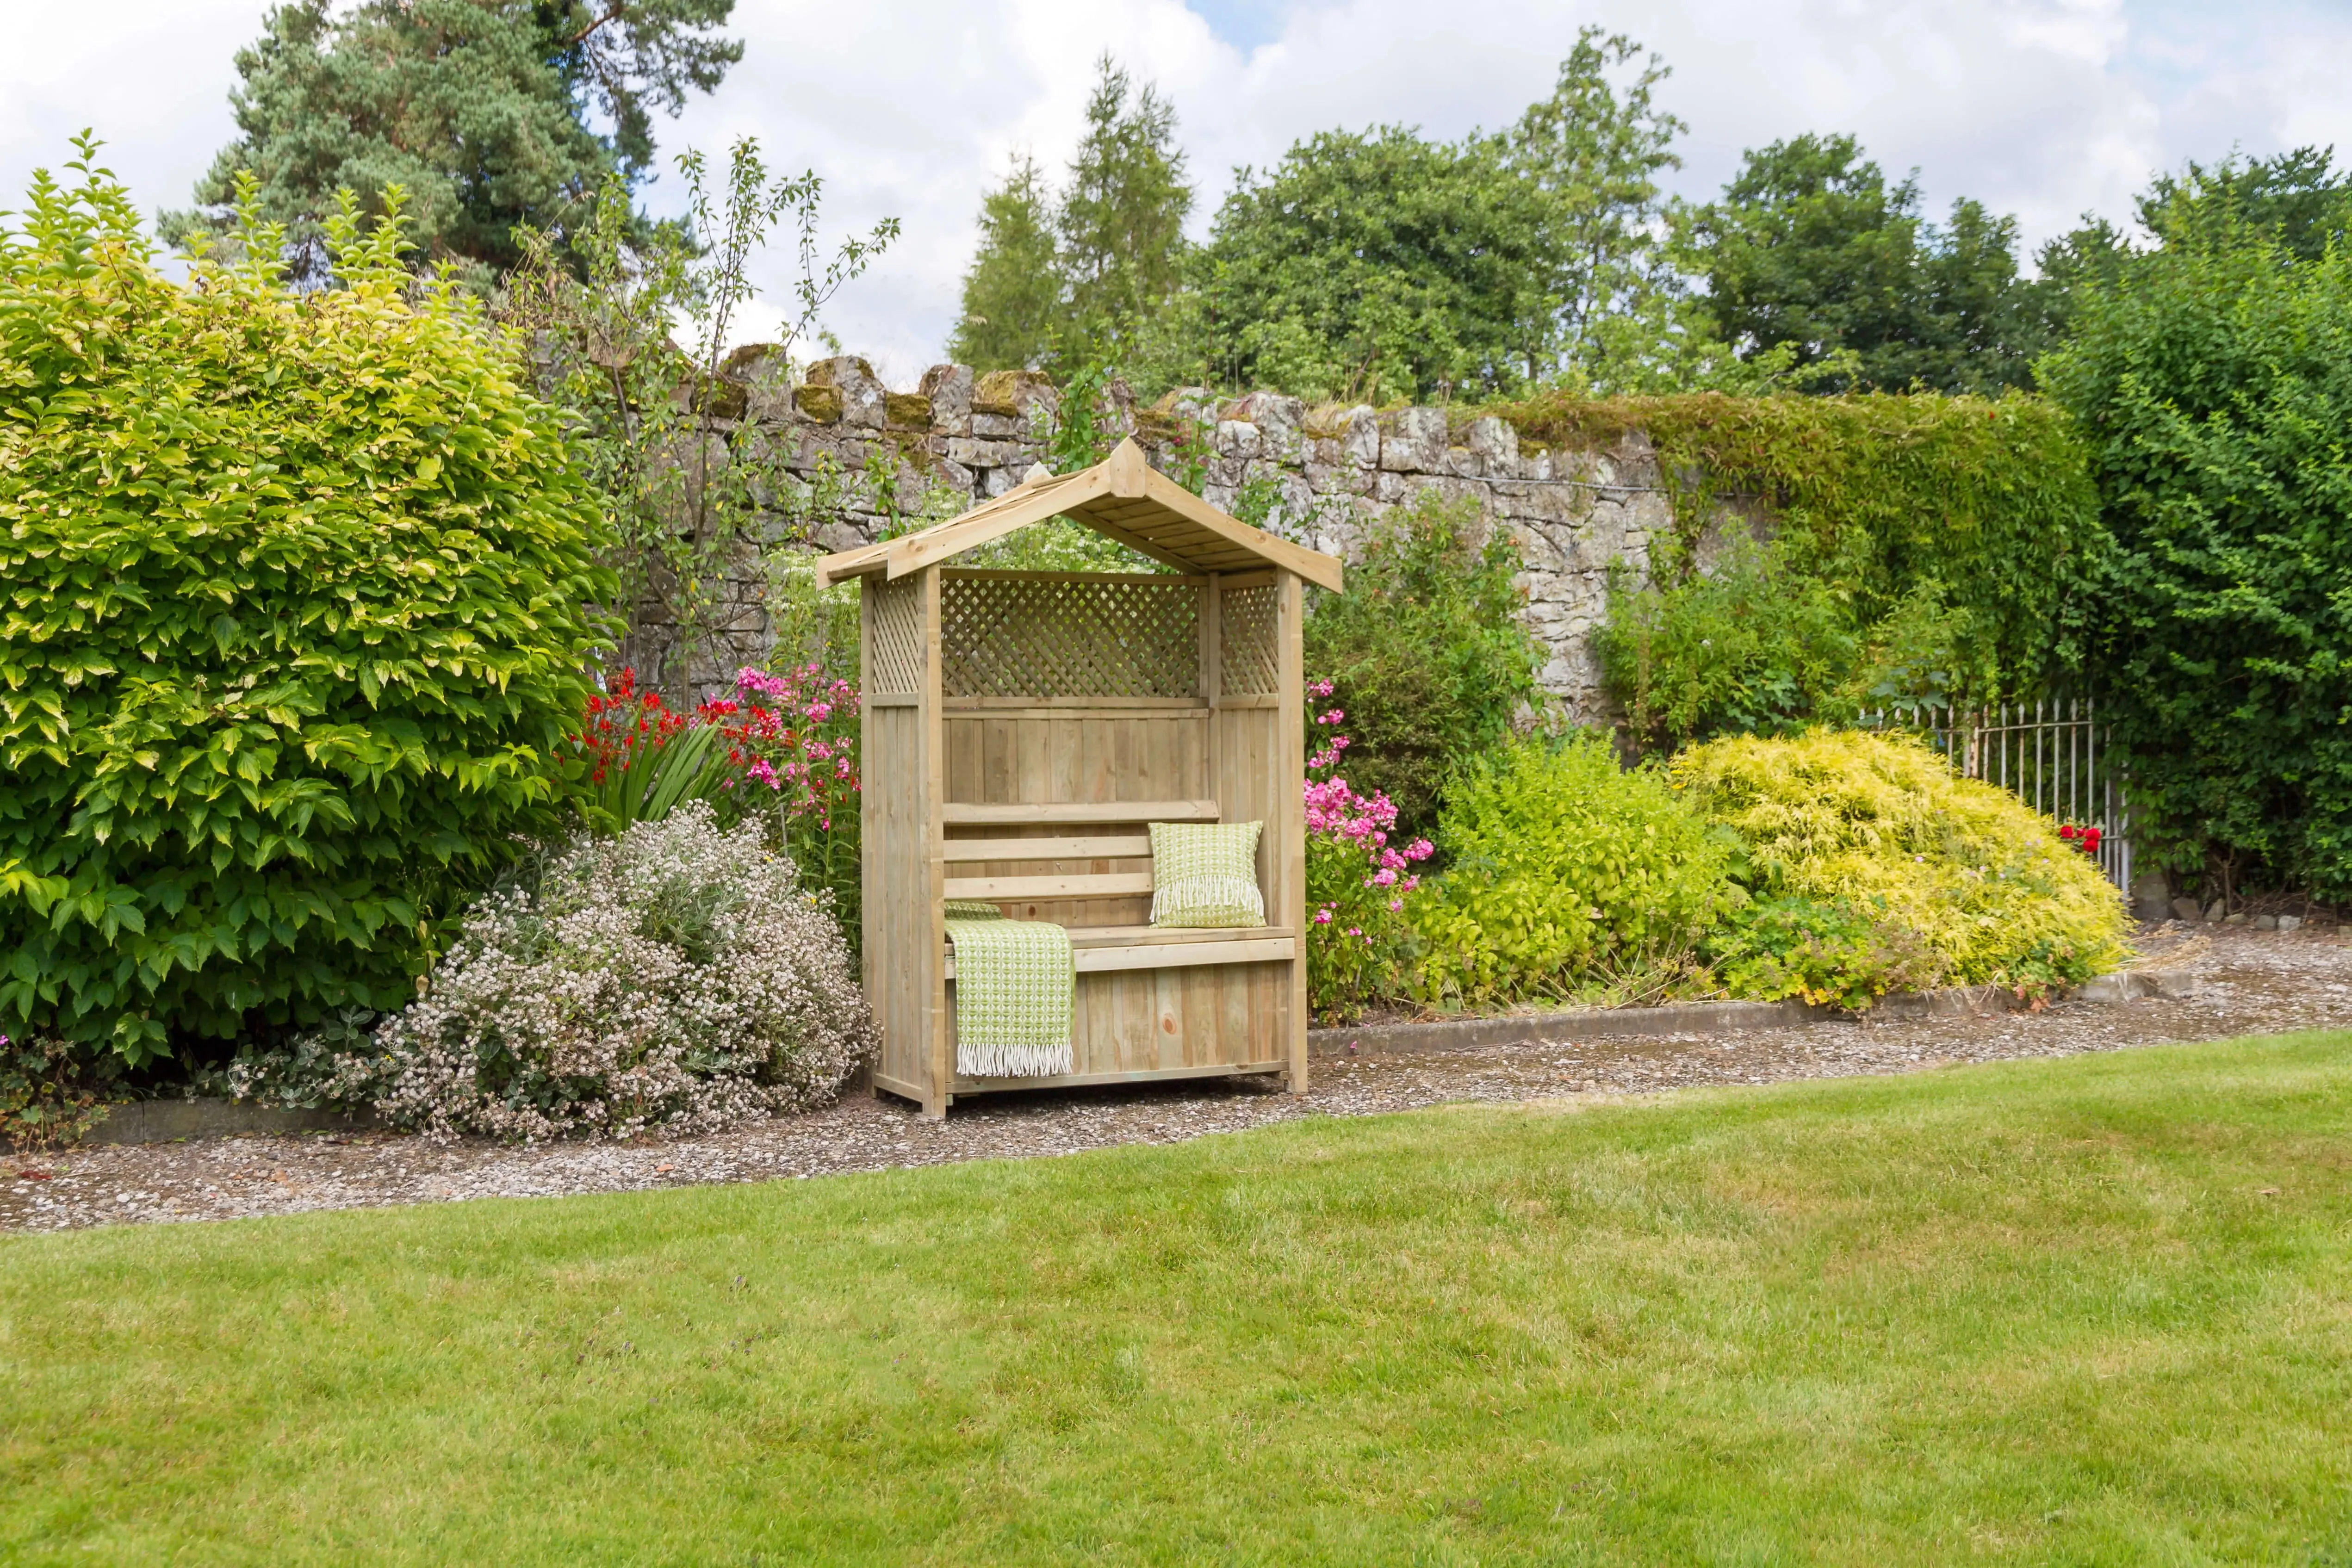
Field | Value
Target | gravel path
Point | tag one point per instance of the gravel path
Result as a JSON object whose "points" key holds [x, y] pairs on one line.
{"points": [[2250, 983]]}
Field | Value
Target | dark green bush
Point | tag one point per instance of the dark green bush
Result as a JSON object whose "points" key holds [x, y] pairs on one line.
{"points": [[294, 627], [1758, 646], [2213, 380], [1427, 650]]}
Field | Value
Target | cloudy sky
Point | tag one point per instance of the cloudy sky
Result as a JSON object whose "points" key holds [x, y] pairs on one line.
{"points": [[910, 108]]}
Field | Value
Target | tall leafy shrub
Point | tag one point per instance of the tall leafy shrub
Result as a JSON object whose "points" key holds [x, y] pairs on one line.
{"points": [[2213, 382], [1427, 646], [293, 628]]}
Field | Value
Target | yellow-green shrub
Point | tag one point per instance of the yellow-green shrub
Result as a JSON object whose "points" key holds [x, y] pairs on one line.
{"points": [[1567, 875], [1883, 822]]}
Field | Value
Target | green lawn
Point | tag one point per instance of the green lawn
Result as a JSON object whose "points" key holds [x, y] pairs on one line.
{"points": [[2093, 1310]]}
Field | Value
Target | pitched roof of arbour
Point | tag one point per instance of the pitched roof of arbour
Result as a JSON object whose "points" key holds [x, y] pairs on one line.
{"points": [[1122, 497]]}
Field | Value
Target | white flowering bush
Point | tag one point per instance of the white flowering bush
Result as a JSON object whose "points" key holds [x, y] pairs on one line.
{"points": [[676, 977]]}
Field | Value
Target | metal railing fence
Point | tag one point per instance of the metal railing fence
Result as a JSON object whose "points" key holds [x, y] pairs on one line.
{"points": [[2053, 755]]}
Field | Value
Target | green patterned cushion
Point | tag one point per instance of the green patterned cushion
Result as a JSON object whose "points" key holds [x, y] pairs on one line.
{"points": [[1205, 873]]}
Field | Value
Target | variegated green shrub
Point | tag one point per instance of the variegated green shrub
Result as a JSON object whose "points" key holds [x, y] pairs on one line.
{"points": [[1881, 824], [292, 626]]}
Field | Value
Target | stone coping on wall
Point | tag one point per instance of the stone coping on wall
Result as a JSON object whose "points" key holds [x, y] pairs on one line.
{"points": [[1313, 475]]}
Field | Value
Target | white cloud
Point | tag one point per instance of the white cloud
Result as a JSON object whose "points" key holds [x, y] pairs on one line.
{"points": [[910, 108]]}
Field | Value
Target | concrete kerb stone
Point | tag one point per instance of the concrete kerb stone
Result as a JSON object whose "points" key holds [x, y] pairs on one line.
{"points": [[164, 1121], [1700, 1017]]}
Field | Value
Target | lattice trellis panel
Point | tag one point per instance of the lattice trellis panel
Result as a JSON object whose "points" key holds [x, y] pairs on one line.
{"points": [[1053, 637], [894, 620], [1247, 664]]}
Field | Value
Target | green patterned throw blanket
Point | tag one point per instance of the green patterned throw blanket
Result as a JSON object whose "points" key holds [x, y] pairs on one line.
{"points": [[1014, 983]]}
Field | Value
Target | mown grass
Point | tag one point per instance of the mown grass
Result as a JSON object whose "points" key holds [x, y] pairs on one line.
{"points": [[2093, 1310]]}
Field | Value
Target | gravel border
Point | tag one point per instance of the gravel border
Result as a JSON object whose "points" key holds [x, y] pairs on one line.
{"points": [[2246, 982]]}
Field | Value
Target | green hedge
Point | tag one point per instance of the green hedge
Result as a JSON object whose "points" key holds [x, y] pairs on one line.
{"points": [[2213, 380], [293, 627]]}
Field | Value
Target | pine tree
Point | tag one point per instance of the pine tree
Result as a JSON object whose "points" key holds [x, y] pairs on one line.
{"points": [[1122, 217], [1069, 285], [479, 108], [1012, 293]]}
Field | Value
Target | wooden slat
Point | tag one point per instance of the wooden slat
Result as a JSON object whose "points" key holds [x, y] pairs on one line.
{"points": [[1174, 955], [900, 1087], [1010, 513], [1137, 936], [1148, 578], [1101, 885], [1313, 565], [935, 869], [1076, 1080], [1287, 889], [1081, 706], [1095, 848], [966, 814], [1137, 542], [1178, 954]]}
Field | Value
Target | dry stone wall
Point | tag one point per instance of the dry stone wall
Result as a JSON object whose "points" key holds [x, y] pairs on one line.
{"points": [[863, 461]]}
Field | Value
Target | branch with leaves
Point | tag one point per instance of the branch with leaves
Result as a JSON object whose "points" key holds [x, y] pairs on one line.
{"points": [[602, 310]]}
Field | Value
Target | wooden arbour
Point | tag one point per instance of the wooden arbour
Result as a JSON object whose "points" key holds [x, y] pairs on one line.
{"points": [[1019, 731]]}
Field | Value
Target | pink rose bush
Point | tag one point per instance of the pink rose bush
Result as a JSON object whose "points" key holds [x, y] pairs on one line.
{"points": [[1359, 885]]}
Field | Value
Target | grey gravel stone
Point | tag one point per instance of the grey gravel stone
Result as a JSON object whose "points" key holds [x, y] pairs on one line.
{"points": [[2245, 982]]}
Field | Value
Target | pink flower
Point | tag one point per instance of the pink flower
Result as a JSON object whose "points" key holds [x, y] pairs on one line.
{"points": [[1323, 917]]}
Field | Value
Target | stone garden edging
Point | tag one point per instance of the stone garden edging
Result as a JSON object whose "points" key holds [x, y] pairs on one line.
{"points": [[161, 1121], [1689, 1018]]}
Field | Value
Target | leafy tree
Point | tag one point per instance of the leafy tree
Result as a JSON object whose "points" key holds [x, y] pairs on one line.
{"points": [[2299, 199], [1382, 264], [1370, 265], [296, 590], [477, 108], [1812, 248], [656, 422], [1012, 293], [1068, 284], [1603, 305], [2212, 379]]}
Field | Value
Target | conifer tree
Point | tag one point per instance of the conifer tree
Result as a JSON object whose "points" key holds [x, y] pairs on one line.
{"points": [[1122, 217], [1069, 284], [1012, 293], [480, 110]]}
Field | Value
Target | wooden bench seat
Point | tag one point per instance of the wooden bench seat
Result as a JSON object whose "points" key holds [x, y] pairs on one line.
{"points": [[1096, 948]]}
